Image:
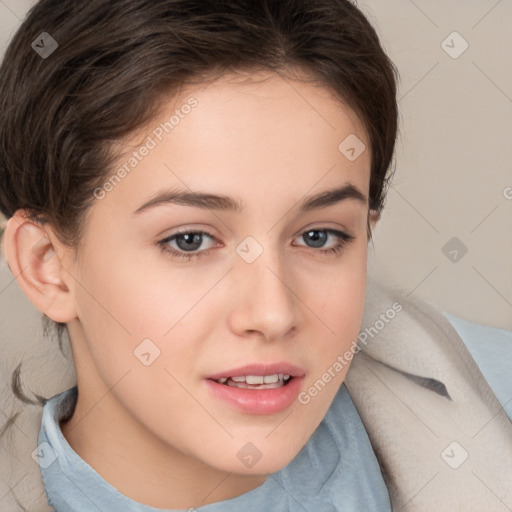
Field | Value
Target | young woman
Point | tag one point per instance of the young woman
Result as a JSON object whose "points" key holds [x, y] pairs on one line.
{"points": [[191, 186]]}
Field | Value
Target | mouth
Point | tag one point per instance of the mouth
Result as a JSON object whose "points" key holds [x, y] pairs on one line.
{"points": [[258, 388]]}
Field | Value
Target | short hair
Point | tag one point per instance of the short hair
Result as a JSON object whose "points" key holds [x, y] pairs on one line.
{"points": [[117, 61]]}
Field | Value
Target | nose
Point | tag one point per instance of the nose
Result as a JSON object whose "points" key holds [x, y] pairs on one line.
{"points": [[264, 300]]}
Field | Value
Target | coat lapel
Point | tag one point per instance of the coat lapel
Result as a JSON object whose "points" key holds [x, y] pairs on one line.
{"points": [[442, 439]]}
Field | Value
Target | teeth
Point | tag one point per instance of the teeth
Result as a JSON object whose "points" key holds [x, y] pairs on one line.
{"points": [[256, 379]]}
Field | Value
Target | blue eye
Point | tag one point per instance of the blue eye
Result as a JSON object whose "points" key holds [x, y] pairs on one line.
{"points": [[189, 242], [319, 236], [186, 241]]}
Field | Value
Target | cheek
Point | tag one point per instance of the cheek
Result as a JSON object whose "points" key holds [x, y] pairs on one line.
{"points": [[337, 296], [337, 305], [141, 295], [130, 309]]}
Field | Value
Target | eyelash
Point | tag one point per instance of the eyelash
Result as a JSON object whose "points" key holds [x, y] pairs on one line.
{"points": [[343, 240]]}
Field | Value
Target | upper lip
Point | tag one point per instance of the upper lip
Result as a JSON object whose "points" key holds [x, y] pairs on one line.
{"points": [[260, 369]]}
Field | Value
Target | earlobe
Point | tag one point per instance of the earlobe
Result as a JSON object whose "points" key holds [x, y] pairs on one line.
{"points": [[374, 217], [38, 268]]}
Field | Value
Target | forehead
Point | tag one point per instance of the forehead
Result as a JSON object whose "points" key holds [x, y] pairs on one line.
{"points": [[254, 99], [261, 135]]}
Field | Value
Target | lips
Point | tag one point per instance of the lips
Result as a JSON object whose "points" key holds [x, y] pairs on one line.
{"points": [[257, 399]]}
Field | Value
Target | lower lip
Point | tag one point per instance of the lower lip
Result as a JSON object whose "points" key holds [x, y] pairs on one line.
{"points": [[258, 401]]}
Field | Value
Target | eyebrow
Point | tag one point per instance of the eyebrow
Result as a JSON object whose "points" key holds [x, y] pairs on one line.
{"points": [[226, 203]]}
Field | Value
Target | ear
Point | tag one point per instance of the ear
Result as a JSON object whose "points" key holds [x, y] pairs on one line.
{"points": [[38, 261], [374, 217]]}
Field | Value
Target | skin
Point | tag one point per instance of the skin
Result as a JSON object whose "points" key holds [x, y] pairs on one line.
{"points": [[155, 432]]}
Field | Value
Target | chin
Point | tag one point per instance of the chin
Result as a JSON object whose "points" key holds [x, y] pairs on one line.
{"points": [[249, 460]]}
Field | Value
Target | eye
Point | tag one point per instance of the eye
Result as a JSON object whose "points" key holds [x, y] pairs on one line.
{"points": [[188, 243], [318, 237]]}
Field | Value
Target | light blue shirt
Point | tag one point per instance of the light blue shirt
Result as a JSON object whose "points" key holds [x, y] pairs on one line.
{"points": [[335, 471]]}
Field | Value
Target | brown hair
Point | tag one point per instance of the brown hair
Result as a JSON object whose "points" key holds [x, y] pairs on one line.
{"points": [[118, 60]]}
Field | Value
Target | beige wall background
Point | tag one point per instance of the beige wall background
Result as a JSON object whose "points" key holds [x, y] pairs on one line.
{"points": [[446, 232]]}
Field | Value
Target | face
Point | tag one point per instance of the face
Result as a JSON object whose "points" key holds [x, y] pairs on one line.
{"points": [[177, 294]]}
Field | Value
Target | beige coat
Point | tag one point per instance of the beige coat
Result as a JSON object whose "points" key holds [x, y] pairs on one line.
{"points": [[423, 401]]}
